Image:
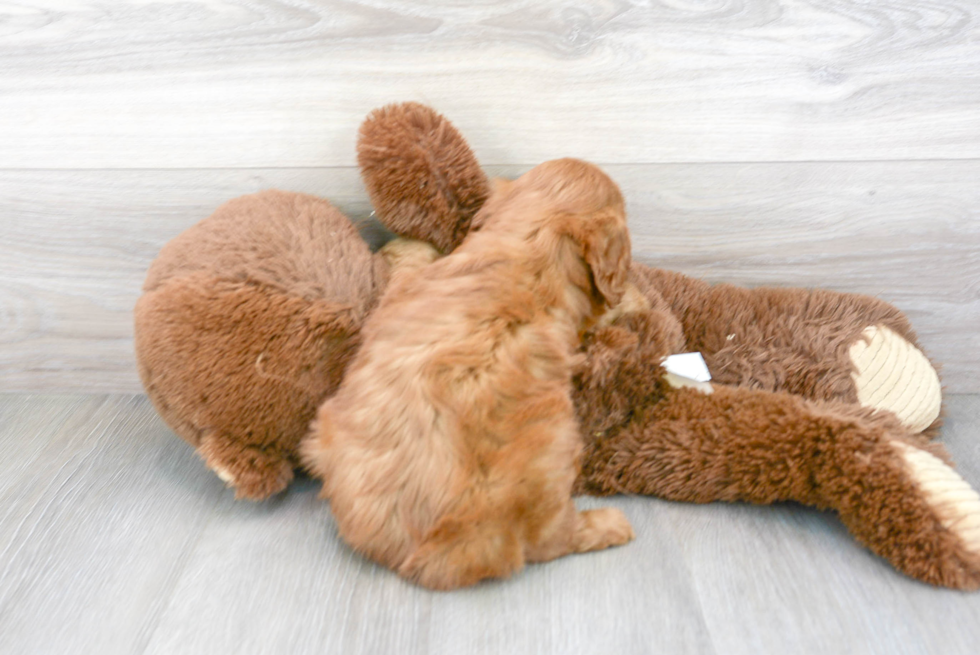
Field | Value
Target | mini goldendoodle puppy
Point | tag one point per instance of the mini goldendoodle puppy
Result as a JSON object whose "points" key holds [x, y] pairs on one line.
{"points": [[449, 451]]}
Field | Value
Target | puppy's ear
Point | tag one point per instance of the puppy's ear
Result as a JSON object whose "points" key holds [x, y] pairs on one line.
{"points": [[607, 252]]}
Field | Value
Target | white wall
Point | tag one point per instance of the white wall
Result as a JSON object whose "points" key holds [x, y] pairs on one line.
{"points": [[795, 142]]}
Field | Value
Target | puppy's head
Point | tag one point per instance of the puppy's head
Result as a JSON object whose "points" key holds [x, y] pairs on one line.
{"points": [[574, 199]]}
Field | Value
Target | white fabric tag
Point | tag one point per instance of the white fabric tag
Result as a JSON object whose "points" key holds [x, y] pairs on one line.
{"points": [[688, 365]]}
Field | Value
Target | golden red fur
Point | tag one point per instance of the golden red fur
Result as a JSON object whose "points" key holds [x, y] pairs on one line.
{"points": [[450, 449]]}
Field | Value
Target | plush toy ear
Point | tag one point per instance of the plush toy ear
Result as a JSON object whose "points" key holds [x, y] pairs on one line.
{"points": [[423, 180]]}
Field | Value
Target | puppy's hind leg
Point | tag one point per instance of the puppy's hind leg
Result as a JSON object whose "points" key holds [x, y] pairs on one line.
{"points": [[463, 550]]}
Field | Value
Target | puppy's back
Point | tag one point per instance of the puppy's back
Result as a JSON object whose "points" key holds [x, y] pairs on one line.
{"points": [[449, 452]]}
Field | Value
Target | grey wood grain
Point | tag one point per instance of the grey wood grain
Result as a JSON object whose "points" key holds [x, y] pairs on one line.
{"points": [[74, 252], [203, 83], [790, 579], [77, 244], [115, 538], [26, 424], [95, 527], [307, 592]]}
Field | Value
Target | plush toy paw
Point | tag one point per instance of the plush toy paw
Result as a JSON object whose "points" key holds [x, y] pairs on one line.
{"points": [[955, 506], [254, 473], [408, 254], [892, 374]]}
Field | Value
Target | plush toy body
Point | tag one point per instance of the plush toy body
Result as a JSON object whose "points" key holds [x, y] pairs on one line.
{"points": [[818, 397]]}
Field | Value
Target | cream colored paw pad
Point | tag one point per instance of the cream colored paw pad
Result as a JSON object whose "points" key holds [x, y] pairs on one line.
{"points": [[402, 253], [224, 474], [955, 502], [893, 374]]}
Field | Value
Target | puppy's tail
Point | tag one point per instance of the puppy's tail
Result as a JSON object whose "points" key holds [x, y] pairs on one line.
{"points": [[463, 550]]}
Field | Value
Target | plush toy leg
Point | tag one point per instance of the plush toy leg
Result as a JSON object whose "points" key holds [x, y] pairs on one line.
{"points": [[891, 489], [892, 374], [253, 472], [423, 180], [819, 344], [950, 497]]}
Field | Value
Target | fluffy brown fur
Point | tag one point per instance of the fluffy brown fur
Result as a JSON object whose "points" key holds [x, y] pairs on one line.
{"points": [[242, 330], [411, 148], [762, 447], [450, 449], [794, 340]]}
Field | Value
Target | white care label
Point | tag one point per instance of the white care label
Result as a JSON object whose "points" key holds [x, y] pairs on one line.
{"points": [[688, 370], [688, 365]]}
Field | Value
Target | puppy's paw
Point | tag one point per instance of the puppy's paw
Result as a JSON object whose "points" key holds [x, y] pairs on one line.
{"points": [[602, 528]]}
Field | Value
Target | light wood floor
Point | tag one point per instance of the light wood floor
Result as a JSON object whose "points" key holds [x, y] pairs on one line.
{"points": [[114, 538]]}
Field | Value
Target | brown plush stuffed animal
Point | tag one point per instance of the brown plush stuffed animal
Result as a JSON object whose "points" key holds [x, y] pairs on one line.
{"points": [[245, 325], [819, 397]]}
